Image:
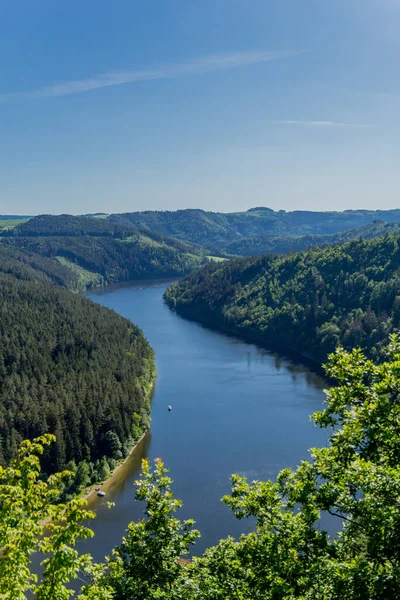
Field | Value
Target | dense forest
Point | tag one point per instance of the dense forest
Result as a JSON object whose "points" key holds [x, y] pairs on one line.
{"points": [[311, 301], [217, 230], [94, 252], [68, 367]]}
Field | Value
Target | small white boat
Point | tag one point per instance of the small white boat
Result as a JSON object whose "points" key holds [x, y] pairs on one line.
{"points": [[169, 407], [101, 494]]}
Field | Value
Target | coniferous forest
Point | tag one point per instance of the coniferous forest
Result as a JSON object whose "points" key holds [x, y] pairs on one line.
{"points": [[68, 367]]}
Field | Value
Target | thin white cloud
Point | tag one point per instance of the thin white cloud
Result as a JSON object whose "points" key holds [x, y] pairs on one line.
{"points": [[204, 65], [321, 123]]}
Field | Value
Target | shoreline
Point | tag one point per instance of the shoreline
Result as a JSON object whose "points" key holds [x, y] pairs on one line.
{"points": [[92, 489], [92, 493], [105, 287]]}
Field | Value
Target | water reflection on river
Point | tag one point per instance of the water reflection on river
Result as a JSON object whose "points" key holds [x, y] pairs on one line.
{"points": [[236, 408]]}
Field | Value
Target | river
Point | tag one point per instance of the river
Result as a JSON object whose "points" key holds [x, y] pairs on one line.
{"points": [[236, 408]]}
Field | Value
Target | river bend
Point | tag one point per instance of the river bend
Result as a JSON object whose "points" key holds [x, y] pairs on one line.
{"points": [[237, 408]]}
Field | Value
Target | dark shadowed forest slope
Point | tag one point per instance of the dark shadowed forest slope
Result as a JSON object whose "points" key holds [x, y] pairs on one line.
{"points": [[216, 230], [311, 301], [67, 366], [30, 265]]}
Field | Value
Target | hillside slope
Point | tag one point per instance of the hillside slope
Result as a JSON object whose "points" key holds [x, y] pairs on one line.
{"points": [[95, 252], [311, 301]]}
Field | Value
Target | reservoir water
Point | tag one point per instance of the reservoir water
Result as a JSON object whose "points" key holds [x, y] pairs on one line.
{"points": [[236, 408]]}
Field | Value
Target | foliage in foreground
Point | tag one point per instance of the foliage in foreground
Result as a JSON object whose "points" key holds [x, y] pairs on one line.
{"points": [[356, 479], [26, 503]]}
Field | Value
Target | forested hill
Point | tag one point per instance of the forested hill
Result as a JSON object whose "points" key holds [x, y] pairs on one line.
{"points": [[94, 252], [311, 301], [68, 367], [219, 229]]}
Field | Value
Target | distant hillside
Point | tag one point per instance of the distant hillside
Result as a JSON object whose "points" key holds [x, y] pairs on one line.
{"points": [[93, 251], [217, 230], [14, 217], [251, 246], [96, 250], [69, 225], [311, 301]]}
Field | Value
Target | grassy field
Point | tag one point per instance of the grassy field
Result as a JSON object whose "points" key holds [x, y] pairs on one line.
{"points": [[11, 223], [85, 278], [216, 258], [143, 240]]}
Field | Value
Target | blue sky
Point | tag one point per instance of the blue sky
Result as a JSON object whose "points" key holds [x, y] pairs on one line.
{"points": [[218, 104]]}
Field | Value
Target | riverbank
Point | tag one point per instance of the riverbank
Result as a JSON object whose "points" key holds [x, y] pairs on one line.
{"points": [[96, 487], [91, 492], [94, 490], [126, 284]]}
